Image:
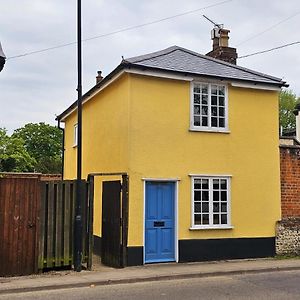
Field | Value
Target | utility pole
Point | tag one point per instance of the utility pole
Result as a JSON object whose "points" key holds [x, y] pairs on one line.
{"points": [[78, 204]]}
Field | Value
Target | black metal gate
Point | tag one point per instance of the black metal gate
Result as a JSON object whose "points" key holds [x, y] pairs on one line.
{"points": [[111, 224]]}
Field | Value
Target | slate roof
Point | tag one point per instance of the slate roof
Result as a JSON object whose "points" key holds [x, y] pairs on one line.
{"points": [[177, 59], [183, 61]]}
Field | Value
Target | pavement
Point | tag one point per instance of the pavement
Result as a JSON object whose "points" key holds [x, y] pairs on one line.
{"points": [[102, 275]]}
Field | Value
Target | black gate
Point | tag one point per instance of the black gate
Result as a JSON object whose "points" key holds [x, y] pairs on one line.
{"points": [[111, 224]]}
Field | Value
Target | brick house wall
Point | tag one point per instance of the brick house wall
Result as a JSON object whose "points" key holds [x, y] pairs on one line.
{"points": [[288, 228], [290, 180]]}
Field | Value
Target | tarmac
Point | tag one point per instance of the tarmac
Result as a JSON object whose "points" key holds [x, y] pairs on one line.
{"points": [[102, 275]]}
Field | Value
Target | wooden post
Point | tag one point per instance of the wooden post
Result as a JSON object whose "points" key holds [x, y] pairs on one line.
{"points": [[124, 219], [90, 223]]}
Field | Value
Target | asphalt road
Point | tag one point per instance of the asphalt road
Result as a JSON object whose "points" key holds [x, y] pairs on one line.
{"points": [[274, 285]]}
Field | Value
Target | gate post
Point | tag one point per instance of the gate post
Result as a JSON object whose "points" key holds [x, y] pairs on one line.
{"points": [[125, 184], [90, 222]]}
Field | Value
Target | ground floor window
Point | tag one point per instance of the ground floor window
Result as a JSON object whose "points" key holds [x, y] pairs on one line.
{"points": [[210, 201]]}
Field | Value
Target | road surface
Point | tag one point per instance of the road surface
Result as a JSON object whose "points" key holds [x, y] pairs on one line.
{"points": [[274, 285]]}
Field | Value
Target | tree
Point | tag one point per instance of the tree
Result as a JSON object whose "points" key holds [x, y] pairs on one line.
{"points": [[287, 103], [44, 143], [13, 155]]}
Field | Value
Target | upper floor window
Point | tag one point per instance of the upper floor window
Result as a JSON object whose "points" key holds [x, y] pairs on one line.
{"points": [[209, 109]]}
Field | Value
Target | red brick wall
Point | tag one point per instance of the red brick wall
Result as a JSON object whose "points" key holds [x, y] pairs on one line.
{"points": [[290, 181]]}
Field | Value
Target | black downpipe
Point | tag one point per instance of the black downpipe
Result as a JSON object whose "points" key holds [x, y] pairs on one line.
{"points": [[62, 149], [79, 194]]}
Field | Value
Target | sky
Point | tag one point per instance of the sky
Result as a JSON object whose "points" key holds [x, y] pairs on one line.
{"points": [[36, 88]]}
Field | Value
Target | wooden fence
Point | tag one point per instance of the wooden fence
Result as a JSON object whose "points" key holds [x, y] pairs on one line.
{"points": [[37, 224], [57, 224], [19, 210]]}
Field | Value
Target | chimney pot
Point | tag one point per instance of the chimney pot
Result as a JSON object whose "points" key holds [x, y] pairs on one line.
{"points": [[220, 46], [99, 77]]}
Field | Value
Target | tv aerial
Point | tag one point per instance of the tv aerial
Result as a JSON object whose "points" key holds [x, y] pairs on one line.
{"points": [[220, 26]]}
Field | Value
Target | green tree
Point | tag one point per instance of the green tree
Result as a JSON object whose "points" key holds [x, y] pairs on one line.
{"points": [[13, 155], [287, 103], [44, 143]]}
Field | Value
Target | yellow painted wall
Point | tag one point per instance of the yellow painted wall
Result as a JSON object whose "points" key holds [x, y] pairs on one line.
{"points": [[140, 125], [104, 138], [161, 146]]}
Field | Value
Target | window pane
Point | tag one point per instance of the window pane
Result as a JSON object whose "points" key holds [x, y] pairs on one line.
{"points": [[214, 100], [197, 195], [221, 122], [204, 89], [204, 99], [223, 219], [221, 111], [216, 219], [197, 219], [197, 206], [216, 196], [223, 184], [221, 101], [216, 207], [204, 121], [205, 207], [197, 186], [205, 219], [223, 196], [214, 111], [197, 109], [214, 90], [197, 121], [204, 110], [216, 184], [196, 98], [214, 121], [205, 196], [224, 207], [205, 184], [222, 90], [196, 88]]}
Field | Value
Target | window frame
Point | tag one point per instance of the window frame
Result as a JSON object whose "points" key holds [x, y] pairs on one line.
{"points": [[208, 128], [210, 203], [75, 135]]}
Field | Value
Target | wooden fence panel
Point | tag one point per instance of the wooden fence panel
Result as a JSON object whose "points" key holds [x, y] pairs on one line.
{"points": [[57, 224], [19, 207], [37, 223]]}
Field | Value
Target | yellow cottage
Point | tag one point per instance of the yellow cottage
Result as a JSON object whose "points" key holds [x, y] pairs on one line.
{"points": [[198, 138]]}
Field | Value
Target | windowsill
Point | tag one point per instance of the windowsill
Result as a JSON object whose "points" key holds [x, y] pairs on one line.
{"points": [[220, 227], [209, 130]]}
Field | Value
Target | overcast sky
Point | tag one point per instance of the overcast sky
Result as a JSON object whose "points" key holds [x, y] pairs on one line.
{"points": [[37, 87]]}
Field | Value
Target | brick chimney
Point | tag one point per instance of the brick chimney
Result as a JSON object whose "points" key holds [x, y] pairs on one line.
{"points": [[99, 77], [220, 50]]}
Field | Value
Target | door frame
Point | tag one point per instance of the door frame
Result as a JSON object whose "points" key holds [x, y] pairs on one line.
{"points": [[176, 186]]}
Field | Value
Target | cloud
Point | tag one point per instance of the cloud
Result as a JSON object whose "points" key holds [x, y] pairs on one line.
{"points": [[35, 88]]}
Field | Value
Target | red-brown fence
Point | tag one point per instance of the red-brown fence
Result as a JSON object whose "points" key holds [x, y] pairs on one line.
{"points": [[19, 210], [36, 224]]}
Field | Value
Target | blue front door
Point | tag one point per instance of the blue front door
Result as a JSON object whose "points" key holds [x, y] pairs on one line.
{"points": [[159, 222]]}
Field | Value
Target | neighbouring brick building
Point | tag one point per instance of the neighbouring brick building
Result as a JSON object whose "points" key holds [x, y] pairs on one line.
{"points": [[288, 229]]}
